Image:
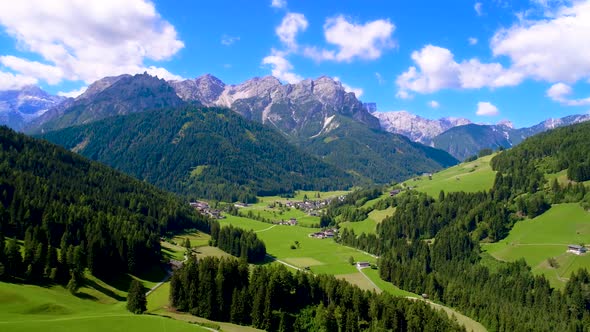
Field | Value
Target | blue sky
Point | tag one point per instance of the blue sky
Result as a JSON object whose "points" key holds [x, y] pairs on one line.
{"points": [[524, 61]]}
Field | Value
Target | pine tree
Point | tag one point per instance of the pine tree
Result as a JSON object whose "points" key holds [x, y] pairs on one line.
{"points": [[136, 301]]}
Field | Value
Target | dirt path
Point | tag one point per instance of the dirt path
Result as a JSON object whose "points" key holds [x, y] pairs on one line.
{"points": [[377, 289], [266, 229]]}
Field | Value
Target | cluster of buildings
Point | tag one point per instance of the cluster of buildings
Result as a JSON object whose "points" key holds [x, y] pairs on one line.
{"points": [[312, 207], [577, 249], [290, 222], [325, 234], [206, 210]]}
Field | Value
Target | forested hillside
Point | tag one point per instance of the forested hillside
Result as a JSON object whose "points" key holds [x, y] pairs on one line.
{"points": [[96, 217], [433, 246], [274, 299], [202, 152], [376, 155]]}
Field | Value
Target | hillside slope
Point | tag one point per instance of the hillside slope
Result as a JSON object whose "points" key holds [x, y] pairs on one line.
{"points": [[53, 198], [201, 152], [376, 155]]}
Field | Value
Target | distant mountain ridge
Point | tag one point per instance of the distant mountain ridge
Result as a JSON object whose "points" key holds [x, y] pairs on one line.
{"points": [[110, 96], [20, 107], [415, 127], [466, 141]]}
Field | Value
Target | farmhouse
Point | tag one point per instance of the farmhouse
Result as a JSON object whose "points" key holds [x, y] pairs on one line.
{"points": [[394, 192], [361, 265], [576, 249]]}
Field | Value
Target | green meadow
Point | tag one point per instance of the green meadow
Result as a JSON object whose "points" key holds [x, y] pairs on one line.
{"points": [[320, 255], [472, 176], [48, 309], [369, 225], [547, 236]]}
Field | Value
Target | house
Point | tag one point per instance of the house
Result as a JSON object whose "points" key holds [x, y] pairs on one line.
{"points": [[394, 192], [361, 265], [576, 249]]}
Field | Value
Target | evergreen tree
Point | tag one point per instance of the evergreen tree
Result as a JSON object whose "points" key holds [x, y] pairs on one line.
{"points": [[136, 301]]}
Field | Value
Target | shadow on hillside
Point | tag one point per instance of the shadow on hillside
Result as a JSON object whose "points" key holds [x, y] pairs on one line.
{"points": [[108, 292]]}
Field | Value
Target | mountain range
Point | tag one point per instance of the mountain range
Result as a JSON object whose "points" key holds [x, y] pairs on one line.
{"points": [[316, 115]]}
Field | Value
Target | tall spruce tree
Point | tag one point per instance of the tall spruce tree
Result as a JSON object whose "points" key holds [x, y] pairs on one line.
{"points": [[136, 301]]}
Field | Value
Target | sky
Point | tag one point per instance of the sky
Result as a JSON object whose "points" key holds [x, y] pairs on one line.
{"points": [[524, 61]]}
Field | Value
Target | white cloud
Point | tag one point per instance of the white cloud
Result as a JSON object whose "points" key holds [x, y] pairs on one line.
{"points": [[379, 78], [553, 49], [437, 69], [472, 40], [363, 41], [403, 94], [50, 74], [82, 40], [278, 3], [10, 81], [478, 8], [559, 92], [229, 40], [485, 108], [433, 104], [292, 24], [73, 93], [281, 67], [358, 92]]}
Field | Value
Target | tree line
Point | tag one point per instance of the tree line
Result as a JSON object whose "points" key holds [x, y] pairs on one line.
{"points": [[274, 299]]}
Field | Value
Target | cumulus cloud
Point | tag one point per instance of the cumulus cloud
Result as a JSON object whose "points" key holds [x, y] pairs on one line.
{"points": [[485, 108], [354, 40], [478, 8], [228, 40], [292, 24], [437, 69], [10, 81], [472, 40], [81, 40], [74, 93], [281, 67], [433, 104], [553, 49], [278, 3], [560, 92]]}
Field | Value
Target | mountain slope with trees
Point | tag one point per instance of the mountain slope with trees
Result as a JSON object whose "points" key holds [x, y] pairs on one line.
{"points": [[98, 218], [433, 246], [202, 152]]}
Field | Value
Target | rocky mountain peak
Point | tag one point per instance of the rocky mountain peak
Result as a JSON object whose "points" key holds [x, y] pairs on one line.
{"points": [[100, 85]]}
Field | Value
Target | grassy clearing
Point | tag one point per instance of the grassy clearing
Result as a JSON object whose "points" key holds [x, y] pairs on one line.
{"points": [[34, 308], [360, 280], [197, 238], [369, 225], [385, 286], [472, 177], [332, 256], [547, 236]]}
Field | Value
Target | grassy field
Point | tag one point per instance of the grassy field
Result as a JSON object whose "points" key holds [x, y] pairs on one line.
{"points": [[547, 236], [197, 239], [369, 225], [322, 256], [469, 177], [34, 308]]}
